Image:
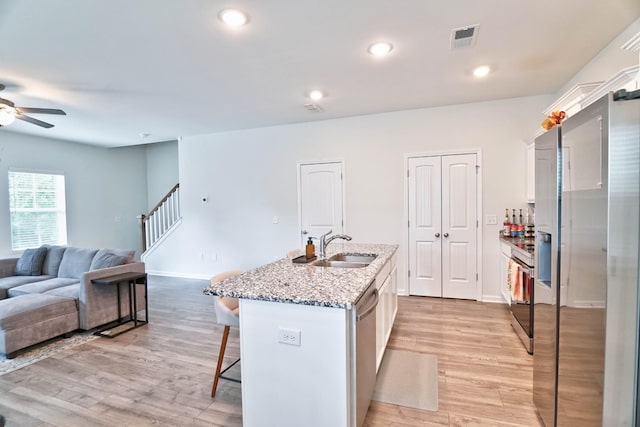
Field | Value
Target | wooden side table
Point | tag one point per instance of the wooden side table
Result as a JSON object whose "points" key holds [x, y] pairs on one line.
{"points": [[132, 280]]}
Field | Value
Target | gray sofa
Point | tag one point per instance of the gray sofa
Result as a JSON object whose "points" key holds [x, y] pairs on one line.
{"points": [[48, 292]]}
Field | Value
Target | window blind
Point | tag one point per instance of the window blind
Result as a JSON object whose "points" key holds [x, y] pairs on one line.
{"points": [[37, 209]]}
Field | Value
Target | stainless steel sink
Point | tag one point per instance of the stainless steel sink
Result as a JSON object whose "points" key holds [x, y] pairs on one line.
{"points": [[346, 260], [353, 257], [338, 264]]}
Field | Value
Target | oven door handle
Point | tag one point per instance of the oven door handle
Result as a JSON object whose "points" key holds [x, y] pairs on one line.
{"points": [[522, 265]]}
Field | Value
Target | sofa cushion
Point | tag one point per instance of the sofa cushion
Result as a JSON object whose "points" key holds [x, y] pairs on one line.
{"points": [[128, 254], [9, 282], [106, 260], [76, 261], [40, 287], [52, 261], [69, 291], [31, 309], [30, 262]]}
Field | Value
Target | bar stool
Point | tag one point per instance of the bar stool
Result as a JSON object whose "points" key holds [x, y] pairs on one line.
{"points": [[227, 314]]}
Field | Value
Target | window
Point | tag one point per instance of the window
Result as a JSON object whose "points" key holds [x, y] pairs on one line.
{"points": [[37, 208]]}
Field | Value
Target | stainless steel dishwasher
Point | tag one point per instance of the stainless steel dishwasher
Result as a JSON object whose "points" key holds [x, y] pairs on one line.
{"points": [[365, 350]]}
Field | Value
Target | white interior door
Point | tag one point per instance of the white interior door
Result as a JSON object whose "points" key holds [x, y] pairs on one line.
{"points": [[425, 234], [442, 204], [459, 226], [320, 195]]}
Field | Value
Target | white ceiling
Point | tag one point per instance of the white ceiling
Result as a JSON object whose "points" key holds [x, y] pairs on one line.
{"points": [[170, 68]]}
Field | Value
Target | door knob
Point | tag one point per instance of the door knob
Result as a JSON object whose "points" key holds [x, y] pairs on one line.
{"points": [[304, 232], [446, 234], [437, 234]]}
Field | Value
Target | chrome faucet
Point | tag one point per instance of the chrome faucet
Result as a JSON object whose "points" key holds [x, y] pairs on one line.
{"points": [[324, 242]]}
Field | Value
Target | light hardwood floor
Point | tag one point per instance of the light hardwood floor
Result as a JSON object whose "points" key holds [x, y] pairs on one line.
{"points": [[161, 374]]}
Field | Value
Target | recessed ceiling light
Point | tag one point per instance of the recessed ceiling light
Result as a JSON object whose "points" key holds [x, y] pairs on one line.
{"points": [[380, 48], [233, 17], [481, 71], [316, 95]]}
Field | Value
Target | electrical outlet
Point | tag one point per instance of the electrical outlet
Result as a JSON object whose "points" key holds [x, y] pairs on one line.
{"points": [[289, 336], [276, 220], [491, 220]]}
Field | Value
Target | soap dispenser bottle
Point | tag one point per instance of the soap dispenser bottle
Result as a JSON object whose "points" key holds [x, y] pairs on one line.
{"points": [[310, 249]]}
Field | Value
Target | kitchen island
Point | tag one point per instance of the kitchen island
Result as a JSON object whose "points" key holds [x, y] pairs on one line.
{"points": [[302, 350]]}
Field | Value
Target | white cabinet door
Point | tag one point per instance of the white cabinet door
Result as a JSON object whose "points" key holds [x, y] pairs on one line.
{"points": [[387, 306], [531, 173], [504, 279], [394, 299], [320, 206], [382, 319]]}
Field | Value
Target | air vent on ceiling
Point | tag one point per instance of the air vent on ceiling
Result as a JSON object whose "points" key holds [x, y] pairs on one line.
{"points": [[464, 37], [313, 108]]}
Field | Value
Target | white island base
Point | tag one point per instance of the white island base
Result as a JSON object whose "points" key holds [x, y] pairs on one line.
{"points": [[295, 385]]}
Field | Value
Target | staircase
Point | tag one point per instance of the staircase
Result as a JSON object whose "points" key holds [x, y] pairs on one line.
{"points": [[162, 219]]}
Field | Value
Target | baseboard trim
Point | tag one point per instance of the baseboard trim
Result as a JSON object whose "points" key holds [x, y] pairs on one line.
{"points": [[493, 299], [179, 275]]}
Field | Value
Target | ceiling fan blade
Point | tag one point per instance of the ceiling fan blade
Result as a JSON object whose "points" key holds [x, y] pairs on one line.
{"points": [[41, 111], [34, 121]]}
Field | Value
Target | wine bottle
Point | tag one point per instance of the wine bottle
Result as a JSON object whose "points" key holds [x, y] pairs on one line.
{"points": [[506, 224]]}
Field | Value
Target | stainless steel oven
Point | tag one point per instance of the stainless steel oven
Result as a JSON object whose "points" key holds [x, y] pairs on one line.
{"points": [[521, 285]]}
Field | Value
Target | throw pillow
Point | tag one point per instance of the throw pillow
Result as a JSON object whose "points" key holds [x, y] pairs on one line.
{"points": [[128, 254], [75, 262], [107, 260], [52, 261], [30, 262]]}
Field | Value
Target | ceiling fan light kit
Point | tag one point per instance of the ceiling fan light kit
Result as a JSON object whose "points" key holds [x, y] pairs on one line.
{"points": [[9, 112]]}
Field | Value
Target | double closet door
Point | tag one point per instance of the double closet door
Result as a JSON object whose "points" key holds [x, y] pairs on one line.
{"points": [[442, 205]]}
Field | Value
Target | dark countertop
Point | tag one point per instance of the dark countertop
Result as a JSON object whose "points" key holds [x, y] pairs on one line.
{"points": [[523, 249]]}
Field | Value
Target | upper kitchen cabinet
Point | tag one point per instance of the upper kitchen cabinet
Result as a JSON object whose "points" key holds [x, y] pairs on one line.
{"points": [[531, 173]]}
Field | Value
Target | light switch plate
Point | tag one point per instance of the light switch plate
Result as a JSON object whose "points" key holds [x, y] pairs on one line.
{"points": [[491, 220]]}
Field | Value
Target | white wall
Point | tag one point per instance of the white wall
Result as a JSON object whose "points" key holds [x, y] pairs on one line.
{"points": [[162, 170], [105, 188], [250, 176]]}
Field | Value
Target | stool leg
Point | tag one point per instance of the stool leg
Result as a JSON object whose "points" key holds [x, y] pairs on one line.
{"points": [[223, 345]]}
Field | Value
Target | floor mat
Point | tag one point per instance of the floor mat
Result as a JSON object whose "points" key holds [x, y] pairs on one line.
{"points": [[408, 379]]}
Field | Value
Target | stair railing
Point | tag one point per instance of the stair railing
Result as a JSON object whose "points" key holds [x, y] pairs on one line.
{"points": [[161, 218]]}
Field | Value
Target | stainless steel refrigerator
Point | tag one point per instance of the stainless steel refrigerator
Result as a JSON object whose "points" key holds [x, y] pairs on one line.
{"points": [[586, 285]]}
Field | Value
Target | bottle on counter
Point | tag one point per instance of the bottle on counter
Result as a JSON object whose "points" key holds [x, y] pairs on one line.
{"points": [[310, 249], [513, 226], [521, 220], [506, 224]]}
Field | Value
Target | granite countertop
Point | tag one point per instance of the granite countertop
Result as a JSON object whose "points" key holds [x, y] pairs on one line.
{"points": [[284, 281]]}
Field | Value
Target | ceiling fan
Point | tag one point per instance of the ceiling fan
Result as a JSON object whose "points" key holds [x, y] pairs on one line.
{"points": [[9, 112]]}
